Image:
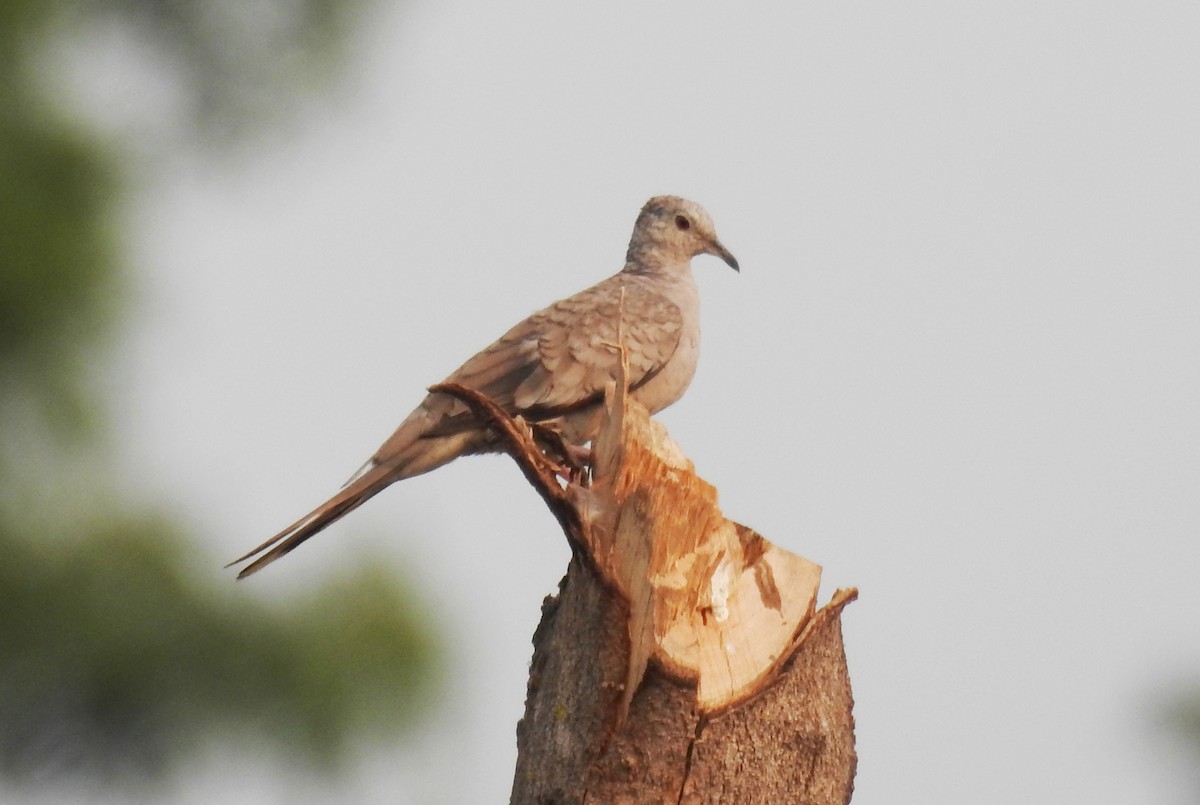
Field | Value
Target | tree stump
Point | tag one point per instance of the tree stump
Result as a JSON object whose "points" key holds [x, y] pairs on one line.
{"points": [[683, 659]]}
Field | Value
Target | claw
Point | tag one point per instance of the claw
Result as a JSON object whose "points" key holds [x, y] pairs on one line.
{"points": [[572, 461]]}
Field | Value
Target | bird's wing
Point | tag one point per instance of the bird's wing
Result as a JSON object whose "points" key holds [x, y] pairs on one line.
{"points": [[561, 357]]}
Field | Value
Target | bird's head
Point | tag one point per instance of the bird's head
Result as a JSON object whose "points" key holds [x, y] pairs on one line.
{"points": [[673, 230]]}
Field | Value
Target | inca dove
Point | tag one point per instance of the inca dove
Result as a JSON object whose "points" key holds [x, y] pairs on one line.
{"points": [[552, 367]]}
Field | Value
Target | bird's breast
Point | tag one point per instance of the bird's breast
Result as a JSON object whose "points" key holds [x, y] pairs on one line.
{"points": [[670, 382]]}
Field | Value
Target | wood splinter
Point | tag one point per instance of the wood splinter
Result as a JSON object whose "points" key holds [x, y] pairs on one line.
{"points": [[683, 659]]}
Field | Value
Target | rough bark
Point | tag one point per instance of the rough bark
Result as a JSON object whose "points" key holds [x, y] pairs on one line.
{"points": [[683, 659]]}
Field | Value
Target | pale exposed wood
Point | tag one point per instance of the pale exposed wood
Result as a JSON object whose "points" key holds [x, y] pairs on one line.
{"points": [[682, 660], [710, 600]]}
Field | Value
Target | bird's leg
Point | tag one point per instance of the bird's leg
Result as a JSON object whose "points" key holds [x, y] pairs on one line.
{"points": [[574, 460], [580, 455]]}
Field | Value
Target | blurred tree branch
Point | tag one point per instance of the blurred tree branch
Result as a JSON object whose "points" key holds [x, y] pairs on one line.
{"points": [[241, 62]]}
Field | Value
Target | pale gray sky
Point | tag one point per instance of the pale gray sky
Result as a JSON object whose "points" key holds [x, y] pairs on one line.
{"points": [[960, 368]]}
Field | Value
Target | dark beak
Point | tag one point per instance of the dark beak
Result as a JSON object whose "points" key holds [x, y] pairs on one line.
{"points": [[717, 250]]}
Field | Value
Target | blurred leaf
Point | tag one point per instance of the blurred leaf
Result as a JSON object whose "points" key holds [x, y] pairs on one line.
{"points": [[114, 660], [1180, 714], [58, 273]]}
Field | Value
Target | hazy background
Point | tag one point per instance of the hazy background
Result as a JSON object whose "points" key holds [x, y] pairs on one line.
{"points": [[960, 368]]}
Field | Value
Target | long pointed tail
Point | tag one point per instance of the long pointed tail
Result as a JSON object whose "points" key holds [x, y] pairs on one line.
{"points": [[368, 484]]}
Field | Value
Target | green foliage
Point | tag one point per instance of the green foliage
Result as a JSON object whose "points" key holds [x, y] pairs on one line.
{"points": [[115, 659], [57, 259], [1180, 714]]}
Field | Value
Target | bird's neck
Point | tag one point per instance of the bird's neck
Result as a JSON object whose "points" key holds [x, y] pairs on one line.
{"points": [[651, 262]]}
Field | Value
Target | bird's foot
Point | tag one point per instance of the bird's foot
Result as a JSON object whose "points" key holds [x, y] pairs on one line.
{"points": [[572, 461]]}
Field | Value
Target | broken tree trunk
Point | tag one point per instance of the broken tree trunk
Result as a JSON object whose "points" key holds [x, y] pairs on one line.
{"points": [[683, 659]]}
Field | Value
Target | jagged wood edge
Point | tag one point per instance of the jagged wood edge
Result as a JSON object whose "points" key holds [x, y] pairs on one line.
{"points": [[540, 471], [518, 437]]}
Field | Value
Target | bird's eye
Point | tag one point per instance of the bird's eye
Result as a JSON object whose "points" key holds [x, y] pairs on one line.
{"points": [[683, 223]]}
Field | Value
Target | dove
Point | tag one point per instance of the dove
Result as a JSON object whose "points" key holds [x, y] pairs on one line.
{"points": [[552, 367]]}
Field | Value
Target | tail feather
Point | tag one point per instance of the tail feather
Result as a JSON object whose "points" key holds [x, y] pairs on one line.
{"points": [[359, 491], [407, 453]]}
